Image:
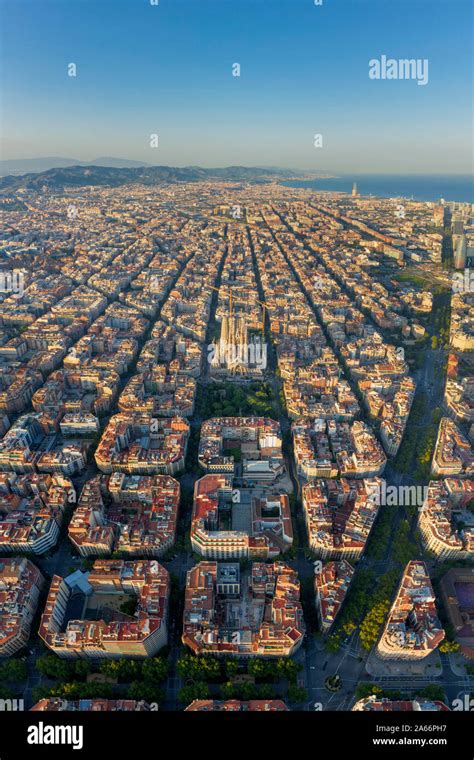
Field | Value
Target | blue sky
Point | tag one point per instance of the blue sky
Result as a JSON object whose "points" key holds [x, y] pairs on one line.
{"points": [[167, 69]]}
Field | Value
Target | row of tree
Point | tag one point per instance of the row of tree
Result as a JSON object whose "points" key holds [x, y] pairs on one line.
{"points": [[210, 669], [431, 692], [74, 690], [243, 691], [153, 669]]}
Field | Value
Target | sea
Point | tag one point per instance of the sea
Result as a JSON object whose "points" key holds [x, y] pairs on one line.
{"points": [[419, 187]]}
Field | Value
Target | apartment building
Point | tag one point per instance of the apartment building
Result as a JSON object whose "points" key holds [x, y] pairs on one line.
{"points": [[116, 634], [230, 523], [413, 630], [31, 511], [20, 587], [257, 613], [339, 516], [141, 444], [132, 514], [331, 586]]}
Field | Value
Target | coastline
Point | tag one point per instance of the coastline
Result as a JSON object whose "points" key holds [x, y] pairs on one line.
{"points": [[418, 187]]}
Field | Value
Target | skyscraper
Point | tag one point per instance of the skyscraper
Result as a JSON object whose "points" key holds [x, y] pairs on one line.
{"points": [[458, 225], [460, 250]]}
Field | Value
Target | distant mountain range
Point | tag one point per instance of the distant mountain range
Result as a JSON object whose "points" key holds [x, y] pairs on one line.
{"points": [[29, 165], [80, 175]]}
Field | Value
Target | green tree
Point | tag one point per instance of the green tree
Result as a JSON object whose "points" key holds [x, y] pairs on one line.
{"points": [[266, 691], [433, 691], [199, 690], [288, 669], [449, 646], [199, 668], [248, 691], [37, 693], [231, 668], [297, 694], [228, 690], [333, 643], [122, 670], [364, 690], [372, 624], [78, 690], [146, 691], [155, 669], [262, 668], [82, 668], [53, 667], [13, 670]]}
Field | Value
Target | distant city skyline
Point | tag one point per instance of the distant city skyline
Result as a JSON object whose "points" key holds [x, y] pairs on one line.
{"points": [[167, 70]]}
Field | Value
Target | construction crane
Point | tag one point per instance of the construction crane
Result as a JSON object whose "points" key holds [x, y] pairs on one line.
{"points": [[233, 300]]}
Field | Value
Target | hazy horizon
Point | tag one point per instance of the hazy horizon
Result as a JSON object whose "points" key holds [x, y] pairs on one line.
{"points": [[168, 70], [224, 166]]}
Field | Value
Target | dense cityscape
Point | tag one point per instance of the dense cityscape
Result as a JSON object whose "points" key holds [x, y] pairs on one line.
{"points": [[237, 462], [236, 378]]}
